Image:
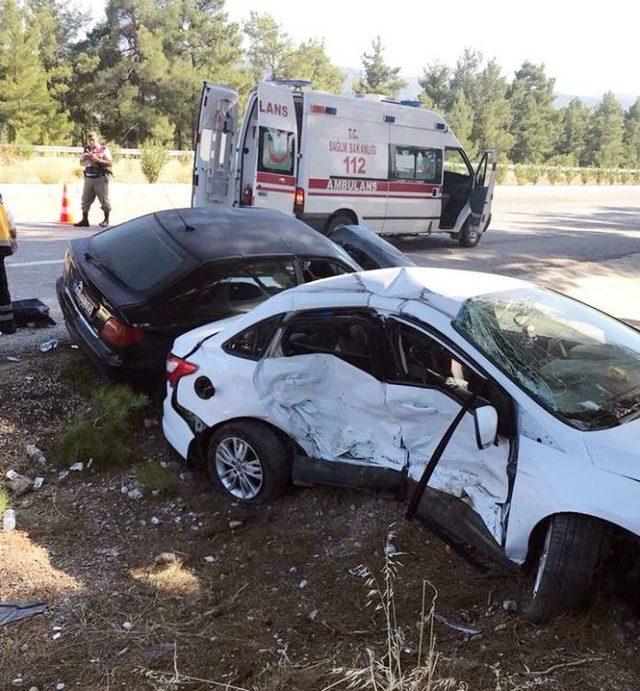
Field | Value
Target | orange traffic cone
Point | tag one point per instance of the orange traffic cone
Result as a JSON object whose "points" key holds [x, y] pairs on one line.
{"points": [[65, 215]]}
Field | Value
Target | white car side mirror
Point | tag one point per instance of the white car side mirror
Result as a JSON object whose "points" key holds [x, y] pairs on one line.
{"points": [[485, 418]]}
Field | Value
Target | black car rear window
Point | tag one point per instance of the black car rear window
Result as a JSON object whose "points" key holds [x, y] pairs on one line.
{"points": [[141, 254]]}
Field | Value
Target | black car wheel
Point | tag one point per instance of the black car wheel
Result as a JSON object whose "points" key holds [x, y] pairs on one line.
{"points": [[469, 236], [248, 462], [565, 566]]}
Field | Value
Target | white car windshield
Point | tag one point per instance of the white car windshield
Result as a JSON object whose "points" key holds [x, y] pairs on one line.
{"points": [[580, 364]]}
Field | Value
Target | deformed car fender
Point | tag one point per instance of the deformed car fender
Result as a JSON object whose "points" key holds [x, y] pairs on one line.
{"points": [[551, 482]]}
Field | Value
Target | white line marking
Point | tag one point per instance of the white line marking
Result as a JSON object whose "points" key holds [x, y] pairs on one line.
{"points": [[42, 262]]}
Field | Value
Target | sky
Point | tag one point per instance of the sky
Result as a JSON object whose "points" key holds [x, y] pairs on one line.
{"points": [[588, 47]]}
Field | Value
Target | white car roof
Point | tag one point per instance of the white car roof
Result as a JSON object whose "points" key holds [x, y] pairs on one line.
{"points": [[443, 289]]}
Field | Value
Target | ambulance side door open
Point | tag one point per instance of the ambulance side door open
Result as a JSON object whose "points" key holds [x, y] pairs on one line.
{"points": [[214, 158], [482, 195], [269, 178]]}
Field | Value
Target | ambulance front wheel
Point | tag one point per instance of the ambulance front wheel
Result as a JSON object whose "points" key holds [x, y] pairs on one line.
{"points": [[341, 218], [469, 236]]}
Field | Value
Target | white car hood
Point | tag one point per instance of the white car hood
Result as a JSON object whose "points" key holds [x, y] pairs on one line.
{"points": [[189, 341], [616, 450]]}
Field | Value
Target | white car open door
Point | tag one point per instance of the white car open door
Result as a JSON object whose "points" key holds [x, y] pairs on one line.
{"points": [[214, 167], [274, 183], [482, 193]]}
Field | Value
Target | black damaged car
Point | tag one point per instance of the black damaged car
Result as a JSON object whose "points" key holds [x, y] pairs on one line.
{"points": [[128, 291]]}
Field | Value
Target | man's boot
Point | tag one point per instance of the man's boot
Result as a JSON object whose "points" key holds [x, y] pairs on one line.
{"points": [[105, 222], [84, 223]]}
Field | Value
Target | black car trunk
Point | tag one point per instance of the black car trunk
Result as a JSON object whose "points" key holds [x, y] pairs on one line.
{"points": [[92, 289]]}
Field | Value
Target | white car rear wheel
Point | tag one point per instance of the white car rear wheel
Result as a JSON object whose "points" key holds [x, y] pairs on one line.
{"points": [[248, 462]]}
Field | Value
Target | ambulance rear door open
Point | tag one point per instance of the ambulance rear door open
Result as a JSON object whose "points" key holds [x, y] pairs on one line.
{"points": [[269, 151], [214, 167]]}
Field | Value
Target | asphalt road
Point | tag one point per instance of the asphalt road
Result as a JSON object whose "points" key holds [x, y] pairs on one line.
{"points": [[581, 240]]}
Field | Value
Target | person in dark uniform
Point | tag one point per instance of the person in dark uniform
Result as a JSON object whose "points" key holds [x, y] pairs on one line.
{"points": [[97, 161], [8, 245]]}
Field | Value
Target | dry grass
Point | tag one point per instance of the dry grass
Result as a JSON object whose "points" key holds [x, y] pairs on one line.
{"points": [[51, 170]]}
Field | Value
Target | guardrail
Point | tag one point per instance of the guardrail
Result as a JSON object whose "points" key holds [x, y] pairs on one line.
{"points": [[77, 150]]}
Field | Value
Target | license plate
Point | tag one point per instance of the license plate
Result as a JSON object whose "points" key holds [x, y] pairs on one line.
{"points": [[85, 303]]}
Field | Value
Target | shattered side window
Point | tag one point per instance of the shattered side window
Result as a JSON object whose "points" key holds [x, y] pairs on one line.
{"points": [[575, 361], [422, 361], [252, 342], [352, 338]]}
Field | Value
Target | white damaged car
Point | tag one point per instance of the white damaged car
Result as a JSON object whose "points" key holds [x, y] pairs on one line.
{"points": [[507, 416]]}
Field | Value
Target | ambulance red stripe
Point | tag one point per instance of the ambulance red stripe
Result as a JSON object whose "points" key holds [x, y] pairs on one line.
{"points": [[270, 188], [277, 179]]}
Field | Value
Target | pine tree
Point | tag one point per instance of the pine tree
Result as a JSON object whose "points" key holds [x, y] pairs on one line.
{"points": [[605, 145], [272, 55], [379, 78], [310, 61], [574, 121], [152, 58], [492, 116], [270, 47], [436, 90], [531, 100], [460, 119], [632, 135], [28, 111]]}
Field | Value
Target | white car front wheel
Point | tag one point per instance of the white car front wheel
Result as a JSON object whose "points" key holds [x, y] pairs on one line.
{"points": [[565, 566]]}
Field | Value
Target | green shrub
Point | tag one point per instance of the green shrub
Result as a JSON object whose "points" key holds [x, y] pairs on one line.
{"points": [[102, 433], [4, 501], [156, 478], [501, 173], [625, 177], [152, 161], [48, 177], [585, 175], [535, 173], [554, 174], [635, 178], [599, 174], [522, 173], [611, 176], [186, 158], [569, 175]]}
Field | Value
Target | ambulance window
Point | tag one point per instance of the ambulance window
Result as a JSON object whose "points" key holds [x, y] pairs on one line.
{"points": [[455, 165], [413, 163], [276, 151], [405, 163], [428, 165]]}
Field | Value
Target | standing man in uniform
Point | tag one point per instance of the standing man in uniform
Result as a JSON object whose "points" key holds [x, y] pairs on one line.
{"points": [[8, 245], [96, 161]]}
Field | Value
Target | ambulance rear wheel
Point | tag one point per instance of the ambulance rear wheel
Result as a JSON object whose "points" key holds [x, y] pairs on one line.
{"points": [[339, 219], [469, 235]]}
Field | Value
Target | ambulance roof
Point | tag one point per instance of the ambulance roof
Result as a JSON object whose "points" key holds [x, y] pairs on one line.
{"points": [[375, 111]]}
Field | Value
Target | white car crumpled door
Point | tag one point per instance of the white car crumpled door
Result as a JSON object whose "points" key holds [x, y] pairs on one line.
{"points": [[424, 412], [335, 411]]}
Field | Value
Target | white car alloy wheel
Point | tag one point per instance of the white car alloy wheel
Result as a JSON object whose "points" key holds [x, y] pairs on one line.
{"points": [[239, 468]]}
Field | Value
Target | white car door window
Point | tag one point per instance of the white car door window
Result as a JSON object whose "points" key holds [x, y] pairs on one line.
{"points": [[426, 388], [322, 386]]}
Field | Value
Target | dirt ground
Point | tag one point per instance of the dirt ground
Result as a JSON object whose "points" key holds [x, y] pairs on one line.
{"points": [[278, 605]]}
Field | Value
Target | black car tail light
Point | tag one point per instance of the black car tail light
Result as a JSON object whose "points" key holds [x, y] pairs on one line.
{"points": [[120, 335]]}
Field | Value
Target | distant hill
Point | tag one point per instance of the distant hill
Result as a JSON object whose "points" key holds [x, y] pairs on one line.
{"points": [[413, 89]]}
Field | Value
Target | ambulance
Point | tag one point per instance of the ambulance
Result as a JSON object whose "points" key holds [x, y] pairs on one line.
{"points": [[337, 160]]}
